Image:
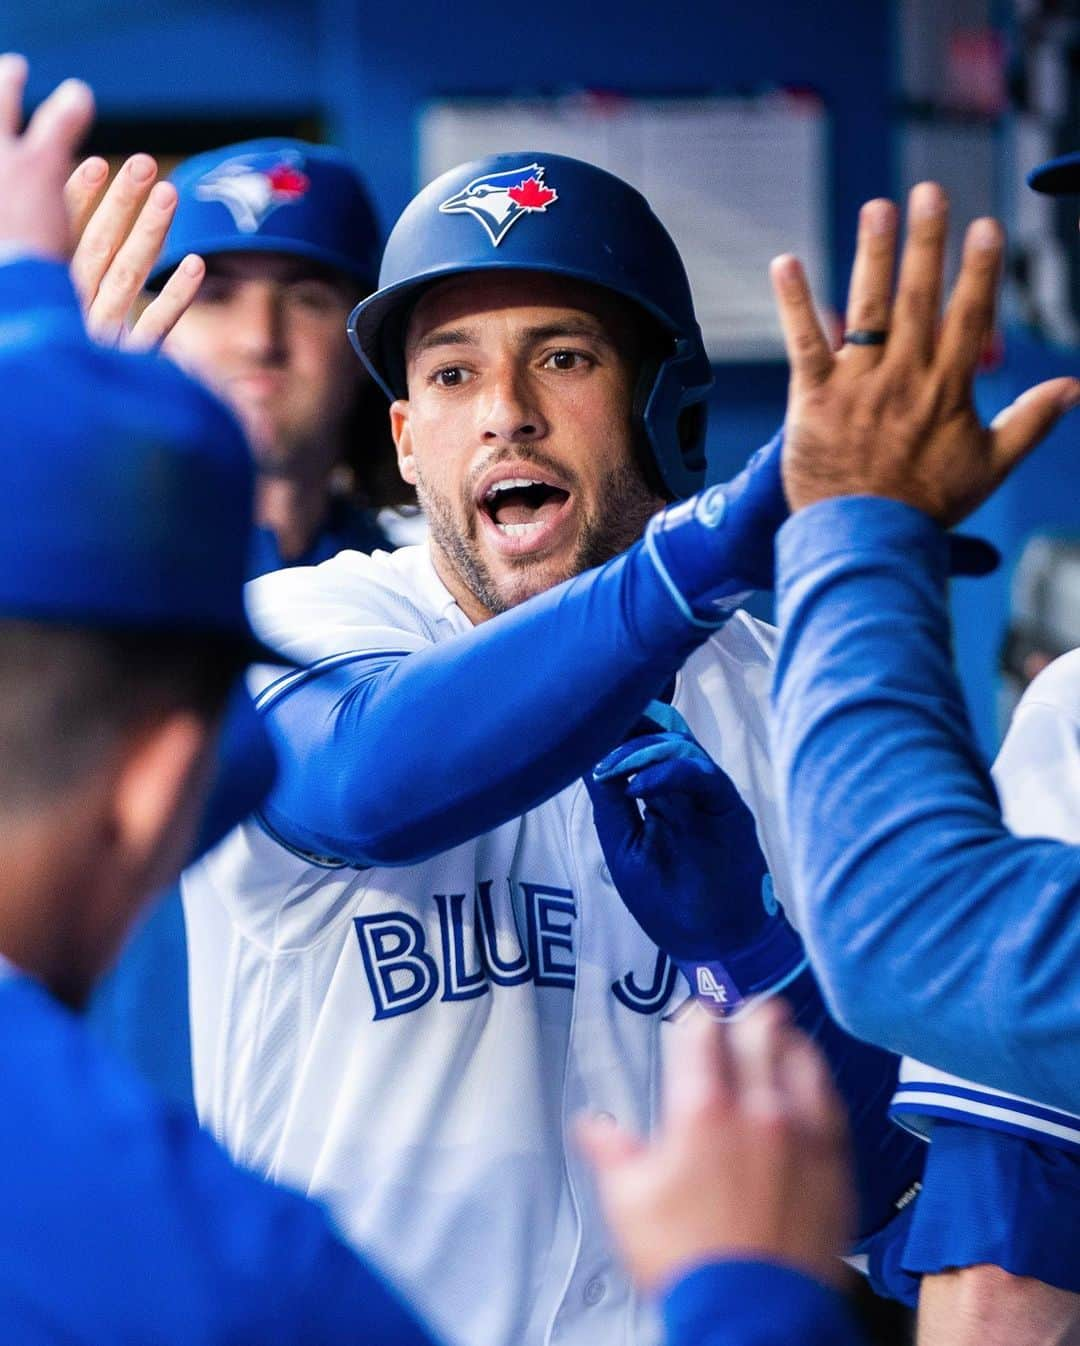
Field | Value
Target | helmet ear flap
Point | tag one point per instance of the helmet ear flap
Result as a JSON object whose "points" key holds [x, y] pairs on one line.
{"points": [[671, 410], [643, 447]]}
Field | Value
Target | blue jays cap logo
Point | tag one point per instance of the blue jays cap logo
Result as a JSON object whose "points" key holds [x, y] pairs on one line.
{"points": [[499, 200], [253, 185]]}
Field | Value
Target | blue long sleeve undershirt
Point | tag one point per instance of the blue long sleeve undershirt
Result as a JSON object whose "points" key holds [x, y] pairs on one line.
{"points": [[389, 759], [750, 1303], [934, 931]]}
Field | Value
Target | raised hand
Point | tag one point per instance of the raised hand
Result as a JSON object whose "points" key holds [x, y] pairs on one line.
{"points": [[34, 162], [120, 227], [750, 1160], [892, 413]]}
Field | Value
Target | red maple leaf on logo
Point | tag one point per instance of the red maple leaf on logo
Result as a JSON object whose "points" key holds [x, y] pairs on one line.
{"points": [[532, 194], [287, 181]]}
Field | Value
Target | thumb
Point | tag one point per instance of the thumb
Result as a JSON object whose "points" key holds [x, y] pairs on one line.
{"points": [[605, 1145], [615, 813], [1016, 430]]}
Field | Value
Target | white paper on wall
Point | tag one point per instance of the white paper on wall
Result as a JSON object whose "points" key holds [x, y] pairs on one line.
{"points": [[735, 180]]}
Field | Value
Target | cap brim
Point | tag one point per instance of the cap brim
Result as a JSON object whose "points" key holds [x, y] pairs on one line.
{"points": [[213, 245], [1057, 177]]}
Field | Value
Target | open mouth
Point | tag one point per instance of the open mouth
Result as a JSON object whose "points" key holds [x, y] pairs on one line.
{"points": [[519, 506]]}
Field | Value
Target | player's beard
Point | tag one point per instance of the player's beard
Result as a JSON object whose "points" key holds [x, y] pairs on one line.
{"points": [[628, 504]]}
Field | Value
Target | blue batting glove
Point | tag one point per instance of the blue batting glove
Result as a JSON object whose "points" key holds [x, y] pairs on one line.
{"points": [[683, 853]]}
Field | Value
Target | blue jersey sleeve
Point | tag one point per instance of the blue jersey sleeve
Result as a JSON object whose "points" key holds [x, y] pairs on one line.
{"points": [[993, 1197], [934, 930], [388, 759], [748, 1303]]}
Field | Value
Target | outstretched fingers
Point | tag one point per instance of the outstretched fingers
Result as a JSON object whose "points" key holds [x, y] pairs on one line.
{"points": [[870, 295], [60, 123], [1015, 431], [83, 190], [808, 351], [700, 1076], [166, 309], [13, 73], [110, 223], [133, 261], [917, 309], [969, 316], [606, 1145]]}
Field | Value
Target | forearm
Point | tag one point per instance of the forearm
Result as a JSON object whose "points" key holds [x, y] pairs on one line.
{"points": [[986, 1306], [995, 1230], [932, 929], [752, 1303], [390, 760]]}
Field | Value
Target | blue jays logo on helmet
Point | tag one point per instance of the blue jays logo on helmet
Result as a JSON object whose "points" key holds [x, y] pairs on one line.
{"points": [[499, 200], [253, 185]]}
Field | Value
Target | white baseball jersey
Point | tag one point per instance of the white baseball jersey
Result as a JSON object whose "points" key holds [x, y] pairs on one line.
{"points": [[1037, 774], [411, 1045]]}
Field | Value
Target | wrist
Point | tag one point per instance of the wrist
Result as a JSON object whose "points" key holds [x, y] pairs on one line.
{"points": [[727, 982], [37, 287], [673, 544], [714, 549]]}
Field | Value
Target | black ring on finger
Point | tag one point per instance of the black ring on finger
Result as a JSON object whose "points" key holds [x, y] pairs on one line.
{"points": [[866, 336]]}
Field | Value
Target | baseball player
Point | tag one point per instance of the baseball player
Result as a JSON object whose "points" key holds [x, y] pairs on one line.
{"points": [[291, 243], [975, 942], [121, 636], [284, 239], [413, 968]]}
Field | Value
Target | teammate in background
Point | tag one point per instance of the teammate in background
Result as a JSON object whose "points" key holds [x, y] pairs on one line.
{"points": [[289, 244], [967, 951], [287, 238], [120, 642], [401, 996], [742, 1202]]}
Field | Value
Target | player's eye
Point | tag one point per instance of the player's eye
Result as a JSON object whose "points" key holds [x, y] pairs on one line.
{"points": [[314, 295], [567, 360], [215, 290], [449, 376]]}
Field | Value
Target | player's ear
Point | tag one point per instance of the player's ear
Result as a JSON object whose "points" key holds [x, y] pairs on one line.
{"points": [[158, 795], [402, 433]]}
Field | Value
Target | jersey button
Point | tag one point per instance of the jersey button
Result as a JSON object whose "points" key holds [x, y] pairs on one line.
{"points": [[609, 1118], [594, 1291], [605, 873]]}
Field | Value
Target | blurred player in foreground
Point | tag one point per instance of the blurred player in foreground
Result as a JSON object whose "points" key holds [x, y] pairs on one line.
{"points": [[269, 245], [123, 632], [413, 969], [933, 928]]}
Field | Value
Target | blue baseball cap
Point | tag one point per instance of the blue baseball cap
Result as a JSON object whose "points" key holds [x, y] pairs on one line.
{"points": [[1057, 177], [126, 489], [283, 196]]}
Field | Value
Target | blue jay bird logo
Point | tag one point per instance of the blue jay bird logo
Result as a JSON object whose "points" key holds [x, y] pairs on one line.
{"points": [[250, 186], [499, 200]]}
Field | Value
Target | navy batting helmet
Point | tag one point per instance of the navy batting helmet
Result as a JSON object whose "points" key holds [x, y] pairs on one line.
{"points": [[273, 196], [544, 212]]}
